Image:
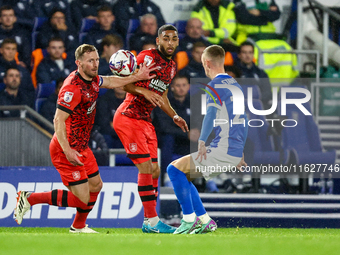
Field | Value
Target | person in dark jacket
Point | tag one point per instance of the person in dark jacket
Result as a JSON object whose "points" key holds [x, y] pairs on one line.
{"points": [[12, 94], [104, 26], [134, 9], [8, 50], [56, 26], [195, 68], [99, 148], [109, 45], [49, 107], [85, 9], [23, 10], [53, 66], [106, 108], [254, 75], [172, 140], [10, 29], [43, 8], [147, 32], [193, 34]]}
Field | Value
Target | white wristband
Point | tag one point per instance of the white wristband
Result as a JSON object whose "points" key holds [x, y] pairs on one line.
{"points": [[175, 117]]}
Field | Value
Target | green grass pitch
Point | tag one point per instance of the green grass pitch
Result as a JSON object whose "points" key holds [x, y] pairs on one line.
{"points": [[233, 241]]}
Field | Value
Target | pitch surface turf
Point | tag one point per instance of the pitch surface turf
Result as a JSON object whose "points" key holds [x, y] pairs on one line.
{"points": [[50, 241]]}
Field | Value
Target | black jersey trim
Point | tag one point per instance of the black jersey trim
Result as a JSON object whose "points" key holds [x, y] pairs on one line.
{"points": [[138, 155], [64, 109], [77, 182], [86, 81]]}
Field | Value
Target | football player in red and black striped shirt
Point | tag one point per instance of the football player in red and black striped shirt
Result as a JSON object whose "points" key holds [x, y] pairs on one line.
{"points": [[73, 121], [132, 123]]}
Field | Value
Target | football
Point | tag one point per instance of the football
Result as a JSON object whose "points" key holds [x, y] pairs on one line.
{"points": [[123, 63]]}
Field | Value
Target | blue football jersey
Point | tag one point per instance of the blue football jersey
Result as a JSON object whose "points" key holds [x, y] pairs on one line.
{"points": [[230, 129]]}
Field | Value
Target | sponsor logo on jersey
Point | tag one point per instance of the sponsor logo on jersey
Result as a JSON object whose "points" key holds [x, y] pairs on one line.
{"points": [[76, 175], [158, 85], [68, 97], [133, 147], [148, 60], [93, 106]]}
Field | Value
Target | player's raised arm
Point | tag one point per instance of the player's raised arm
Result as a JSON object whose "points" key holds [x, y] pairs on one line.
{"points": [[166, 107], [144, 73]]}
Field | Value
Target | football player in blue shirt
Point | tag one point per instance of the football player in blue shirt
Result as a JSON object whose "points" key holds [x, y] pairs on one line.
{"points": [[224, 153]]}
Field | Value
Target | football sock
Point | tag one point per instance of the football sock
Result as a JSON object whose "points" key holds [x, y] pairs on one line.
{"points": [[58, 197], [189, 217], [82, 213], [155, 186], [147, 194], [205, 218], [196, 201], [153, 221], [181, 188]]}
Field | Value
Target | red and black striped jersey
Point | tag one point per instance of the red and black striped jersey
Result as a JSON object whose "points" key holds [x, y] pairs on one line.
{"points": [[137, 106], [78, 97]]}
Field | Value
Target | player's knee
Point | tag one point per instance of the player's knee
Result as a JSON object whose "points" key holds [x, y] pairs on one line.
{"points": [[98, 187]]}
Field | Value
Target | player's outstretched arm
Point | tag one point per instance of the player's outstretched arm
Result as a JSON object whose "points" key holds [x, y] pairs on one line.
{"points": [[151, 96], [144, 73], [60, 130], [166, 107]]}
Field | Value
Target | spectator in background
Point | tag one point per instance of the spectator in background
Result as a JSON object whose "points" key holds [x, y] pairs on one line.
{"points": [[49, 107], [172, 140], [193, 34], [106, 108], [43, 8], [13, 94], [10, 29], [147, 32], [254, 75], [149, 45], [56, 26], [109, 45], [195, 68], [233, 71], [8, 50], [103, 27], [219, 22], [99, 148], [134, 9], [23, 10], [85, 9], [53, 66]]}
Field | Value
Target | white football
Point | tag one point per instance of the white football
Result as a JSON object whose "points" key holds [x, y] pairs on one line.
{"points": [[123, 63]]}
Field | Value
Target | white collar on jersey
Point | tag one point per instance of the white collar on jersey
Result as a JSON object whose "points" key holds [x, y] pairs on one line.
{"points": [[221, 74]]}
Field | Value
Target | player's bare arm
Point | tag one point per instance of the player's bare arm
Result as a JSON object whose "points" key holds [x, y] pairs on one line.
{"points": [[144, 73], [60, 130], [151, 96], [166, 107]]}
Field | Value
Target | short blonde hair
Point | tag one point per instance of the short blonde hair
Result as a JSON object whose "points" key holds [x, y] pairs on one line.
{"points": [[215, 53], [82, 49]]}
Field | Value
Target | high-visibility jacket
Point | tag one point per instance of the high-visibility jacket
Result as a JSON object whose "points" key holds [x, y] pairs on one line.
{"points": [[226, 20], [243, 31], [282, 68]]}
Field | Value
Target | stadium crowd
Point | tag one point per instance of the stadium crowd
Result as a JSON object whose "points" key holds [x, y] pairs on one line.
{"points": [[38, 39]]}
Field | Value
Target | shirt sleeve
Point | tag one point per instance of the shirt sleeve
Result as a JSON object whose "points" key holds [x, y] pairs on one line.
{"points": [[145, 56], [69, 97]]}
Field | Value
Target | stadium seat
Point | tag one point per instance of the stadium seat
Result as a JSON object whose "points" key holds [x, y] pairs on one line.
{"points": [[182, 59], [82, 37], [133, 25], [86, 25], [180, 25], [38, 22], [304, 140], [38, 103], [44, 90], [263, 148]]}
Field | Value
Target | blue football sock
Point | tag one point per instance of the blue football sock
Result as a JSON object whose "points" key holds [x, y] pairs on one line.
{"points": [[181, 188], [196, 201]]}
